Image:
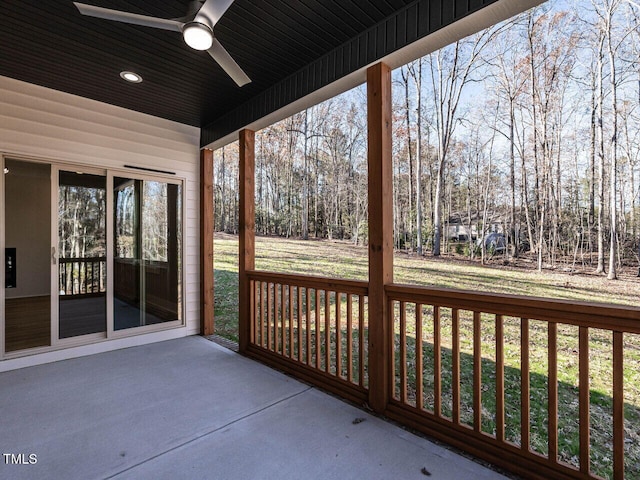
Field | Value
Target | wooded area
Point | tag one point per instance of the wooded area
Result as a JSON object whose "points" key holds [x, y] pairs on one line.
{"points": [[529, 130]]}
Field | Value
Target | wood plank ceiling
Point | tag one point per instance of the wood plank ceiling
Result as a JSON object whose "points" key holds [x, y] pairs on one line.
{"points": [[48, 43]]}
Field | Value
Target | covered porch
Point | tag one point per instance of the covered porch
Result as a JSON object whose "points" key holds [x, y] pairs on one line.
{"points": [[189, 408], [186, 408]]}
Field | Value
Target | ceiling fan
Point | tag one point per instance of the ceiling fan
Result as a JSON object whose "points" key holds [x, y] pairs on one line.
{"points": [[196, 29]]}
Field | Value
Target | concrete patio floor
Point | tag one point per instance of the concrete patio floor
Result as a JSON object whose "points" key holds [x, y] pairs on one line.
{"points": [[191, 409]]}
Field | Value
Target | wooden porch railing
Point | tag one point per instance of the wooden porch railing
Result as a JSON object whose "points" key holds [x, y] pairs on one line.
{"points": [[82, 276], [466, 370], [313, 327], [506, 378]]}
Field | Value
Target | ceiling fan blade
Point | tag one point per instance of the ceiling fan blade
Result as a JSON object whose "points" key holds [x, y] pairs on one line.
{"points": [[228, 64], [212, 11], [126, 17]]}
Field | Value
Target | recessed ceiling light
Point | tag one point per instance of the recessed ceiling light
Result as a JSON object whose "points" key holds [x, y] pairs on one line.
{"points": [[131, 77], [6, 170]]}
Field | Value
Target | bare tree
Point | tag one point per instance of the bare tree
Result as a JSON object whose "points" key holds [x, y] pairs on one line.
{"points": [[451, 70], [415, 69], [509, 75], [606, 13]]}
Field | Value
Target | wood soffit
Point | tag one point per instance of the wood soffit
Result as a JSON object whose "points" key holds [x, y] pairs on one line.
{"points": [[289, 48]]}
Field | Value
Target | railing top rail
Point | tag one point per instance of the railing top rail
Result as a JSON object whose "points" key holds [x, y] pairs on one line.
{"points": [[595, 315], [356, 287], [82, 259]]}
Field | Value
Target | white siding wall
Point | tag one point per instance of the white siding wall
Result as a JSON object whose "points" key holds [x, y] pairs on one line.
{"points": [[47, 124]]}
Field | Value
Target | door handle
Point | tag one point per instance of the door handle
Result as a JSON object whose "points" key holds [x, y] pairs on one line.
{"points": [[54, 257]]}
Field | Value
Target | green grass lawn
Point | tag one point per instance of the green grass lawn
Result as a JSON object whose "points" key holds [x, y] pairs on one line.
{"points": [[343, 260], [340, 259]]}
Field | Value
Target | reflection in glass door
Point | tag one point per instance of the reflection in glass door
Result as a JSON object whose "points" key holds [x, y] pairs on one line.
{"points": [[147, 252], [82, 272], [28, 255]]}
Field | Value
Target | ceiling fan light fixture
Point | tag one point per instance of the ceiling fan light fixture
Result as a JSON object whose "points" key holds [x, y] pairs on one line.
{"points": [[197, 35]]}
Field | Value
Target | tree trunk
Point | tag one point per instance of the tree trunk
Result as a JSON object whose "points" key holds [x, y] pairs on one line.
{"points": [[437, 209], [601, 169], [305, 179], [592, 184], [407, 106], [513, 235], [613, 176], [418, 189]]}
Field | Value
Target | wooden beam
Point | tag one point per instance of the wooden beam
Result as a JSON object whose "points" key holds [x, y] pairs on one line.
{"points": [[247, 228], [206, 242], [380, 231]]}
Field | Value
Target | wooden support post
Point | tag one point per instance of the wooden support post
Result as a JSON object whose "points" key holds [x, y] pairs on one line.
{"points": [[206, 242], [380, 231], [247, 228]]}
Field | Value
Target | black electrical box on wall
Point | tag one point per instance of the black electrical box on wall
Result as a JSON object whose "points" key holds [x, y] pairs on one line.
{"points": [[10, 268]]}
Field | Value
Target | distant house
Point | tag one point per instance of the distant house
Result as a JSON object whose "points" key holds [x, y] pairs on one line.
{"points": [[461, 225]]}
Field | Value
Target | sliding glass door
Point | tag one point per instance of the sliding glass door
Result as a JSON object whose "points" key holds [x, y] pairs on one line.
{"points": [[147, 262], [82, 254], [88, 255]]}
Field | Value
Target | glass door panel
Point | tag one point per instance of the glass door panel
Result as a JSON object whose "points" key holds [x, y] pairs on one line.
{"points": [[148, 251], [28, 255], [82, 250]]}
